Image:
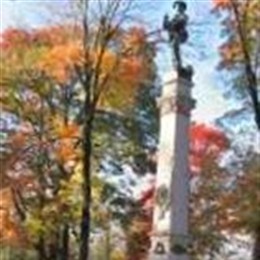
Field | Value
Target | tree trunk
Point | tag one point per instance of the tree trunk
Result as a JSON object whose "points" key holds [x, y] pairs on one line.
{"points": [[256, 249], [53, 250], [65, 243], [40, 248], [85, 232], [107, 242], [87, 152], [253, 91], [251, 74]]}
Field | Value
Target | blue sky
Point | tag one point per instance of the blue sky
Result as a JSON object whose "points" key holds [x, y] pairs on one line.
{"points": [[205, 31]]}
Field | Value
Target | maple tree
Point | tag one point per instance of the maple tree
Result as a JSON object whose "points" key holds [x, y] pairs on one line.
{"points": [[54, 82], [240, 55], [206, 146], [42, 156], [242, 201], [240, 51], [95, 83], [223, 202]]}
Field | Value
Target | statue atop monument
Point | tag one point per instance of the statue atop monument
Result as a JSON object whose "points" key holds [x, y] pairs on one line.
{"points": [[178, 34]]}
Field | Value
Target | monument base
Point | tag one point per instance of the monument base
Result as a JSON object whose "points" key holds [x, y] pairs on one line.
{"points": [[169, 247]]}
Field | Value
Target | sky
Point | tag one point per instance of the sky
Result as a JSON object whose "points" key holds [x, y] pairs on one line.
{"points": [[205, 37]]}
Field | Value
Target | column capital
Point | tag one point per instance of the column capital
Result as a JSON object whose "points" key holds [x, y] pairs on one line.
{"points": [[171, 81], [176, 95]]}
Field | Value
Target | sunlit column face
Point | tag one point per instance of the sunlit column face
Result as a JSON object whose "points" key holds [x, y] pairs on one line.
{"points": [[170, 219]]}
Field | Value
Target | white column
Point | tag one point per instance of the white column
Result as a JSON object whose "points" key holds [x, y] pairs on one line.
{"points": [[170, 235]]}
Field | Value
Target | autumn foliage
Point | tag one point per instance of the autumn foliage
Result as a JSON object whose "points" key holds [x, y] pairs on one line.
{"points": [[43, 87], [240, 27], [221, 3], [11, 233], [57, 53], [207, 143]]}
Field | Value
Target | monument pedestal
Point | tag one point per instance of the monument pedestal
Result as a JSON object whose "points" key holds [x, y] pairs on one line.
{"points": [[170, 235]]}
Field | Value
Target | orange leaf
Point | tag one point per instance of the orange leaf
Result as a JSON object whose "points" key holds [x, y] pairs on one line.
{"points": [[221, 3]]}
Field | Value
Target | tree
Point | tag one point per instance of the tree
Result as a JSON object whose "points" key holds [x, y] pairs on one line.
{"points": [[242, 200], [208, 181], [52, 69], [240, 55], [95, 83], [240, 51]]}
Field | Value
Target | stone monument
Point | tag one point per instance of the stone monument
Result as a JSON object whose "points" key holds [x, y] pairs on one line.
{"points": [[170, 235]]}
